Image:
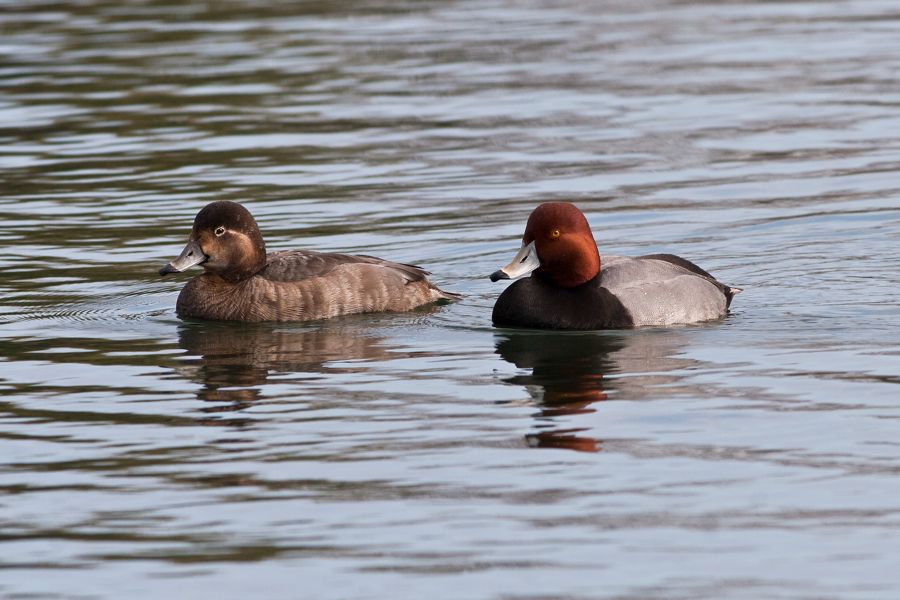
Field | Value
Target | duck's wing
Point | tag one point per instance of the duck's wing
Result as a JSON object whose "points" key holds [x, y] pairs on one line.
{"points": [[729, 290], [680, 262], [665, 289], [303, 285], [631, 271], [297, 265]]}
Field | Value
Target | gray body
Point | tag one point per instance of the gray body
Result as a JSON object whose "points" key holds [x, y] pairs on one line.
{"points": [[657, 292]]}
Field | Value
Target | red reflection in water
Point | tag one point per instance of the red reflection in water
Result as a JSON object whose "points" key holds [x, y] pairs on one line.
{"points": [[566, 379]]}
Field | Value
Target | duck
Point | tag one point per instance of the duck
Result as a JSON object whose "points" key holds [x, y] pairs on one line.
{"points": [[571, 287], [242, 282]]}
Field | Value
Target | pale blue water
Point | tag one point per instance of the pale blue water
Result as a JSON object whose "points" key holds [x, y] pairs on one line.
{"points": [[430, 454]]}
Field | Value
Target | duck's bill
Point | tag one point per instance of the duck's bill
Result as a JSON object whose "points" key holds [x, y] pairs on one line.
{"points": [[190, 256], [525, 261]]}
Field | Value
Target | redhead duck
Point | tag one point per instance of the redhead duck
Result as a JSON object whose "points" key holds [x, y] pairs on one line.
{"points": [[571, 288], [243, 283]]}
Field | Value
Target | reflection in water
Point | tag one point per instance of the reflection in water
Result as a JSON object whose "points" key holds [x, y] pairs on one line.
{"points": [[568, 370], [566, 378], [235, 360], [756, 137]]}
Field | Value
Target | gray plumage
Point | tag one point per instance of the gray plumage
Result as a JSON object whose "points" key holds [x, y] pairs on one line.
{"points": [[659, 291]]}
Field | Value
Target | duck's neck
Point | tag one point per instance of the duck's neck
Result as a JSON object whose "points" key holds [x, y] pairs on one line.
{"points": [[575, 269], [248, 259]]}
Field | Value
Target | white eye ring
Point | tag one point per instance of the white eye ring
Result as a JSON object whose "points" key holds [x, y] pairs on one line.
{"points": [[220, 231]]}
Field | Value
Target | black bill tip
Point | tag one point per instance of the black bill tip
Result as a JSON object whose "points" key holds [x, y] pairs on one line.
{"points": [[168, 268], [498, 275]]}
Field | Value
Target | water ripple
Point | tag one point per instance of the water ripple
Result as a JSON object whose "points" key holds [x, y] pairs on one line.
{"points": [[145, 455]]}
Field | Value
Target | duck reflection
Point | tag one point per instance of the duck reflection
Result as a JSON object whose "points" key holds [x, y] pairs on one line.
{"points": [[566, 378], [568, 369], [236, 360]]}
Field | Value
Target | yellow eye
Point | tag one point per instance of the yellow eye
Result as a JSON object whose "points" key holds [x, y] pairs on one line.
{"points": [[554, 233]]}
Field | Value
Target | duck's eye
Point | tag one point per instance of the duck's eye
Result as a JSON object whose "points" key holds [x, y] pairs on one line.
{"points": [[554, 233], [220, 231]]}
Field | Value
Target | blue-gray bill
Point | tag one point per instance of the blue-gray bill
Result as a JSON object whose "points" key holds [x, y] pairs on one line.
{"points": [[190, 256], [524, 262]]}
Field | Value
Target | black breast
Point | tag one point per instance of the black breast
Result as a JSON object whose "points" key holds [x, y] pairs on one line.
{"points": [[532, 302]]}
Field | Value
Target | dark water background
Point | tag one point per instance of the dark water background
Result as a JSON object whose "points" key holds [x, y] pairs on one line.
{"points": [[428, 454]]}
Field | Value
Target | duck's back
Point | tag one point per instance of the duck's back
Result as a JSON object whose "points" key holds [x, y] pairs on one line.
{"points": [[664, 289], [302, 285], [299, 265]]}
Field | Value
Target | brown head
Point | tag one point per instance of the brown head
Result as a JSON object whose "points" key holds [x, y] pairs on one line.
{"points": [[558, 245], [226, 241]]}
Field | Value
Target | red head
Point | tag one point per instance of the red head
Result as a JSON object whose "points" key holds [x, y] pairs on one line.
{"points": [[558, 245]]}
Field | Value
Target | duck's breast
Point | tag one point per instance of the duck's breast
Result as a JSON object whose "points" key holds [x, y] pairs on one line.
{"points": [[537, 303], [658, 292]]}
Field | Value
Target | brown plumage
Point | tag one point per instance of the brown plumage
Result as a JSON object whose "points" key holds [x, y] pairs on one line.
{"points": [[243, 283]]}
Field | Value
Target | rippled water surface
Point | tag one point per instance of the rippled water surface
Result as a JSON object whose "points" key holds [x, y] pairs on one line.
{"points": [[428, 454]]}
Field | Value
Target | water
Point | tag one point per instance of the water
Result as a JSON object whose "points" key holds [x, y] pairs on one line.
{"points": [[429, 454]]}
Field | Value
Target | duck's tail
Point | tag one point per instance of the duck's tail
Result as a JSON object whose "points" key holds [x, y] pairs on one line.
{"points": [[730, 293], [443, 296]]}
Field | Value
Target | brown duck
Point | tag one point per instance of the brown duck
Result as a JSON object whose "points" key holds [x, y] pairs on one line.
{"points": [[242, 282]]}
